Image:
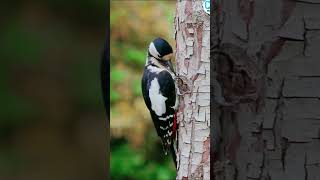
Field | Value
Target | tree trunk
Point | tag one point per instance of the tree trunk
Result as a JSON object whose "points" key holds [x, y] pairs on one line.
{"points": [[266, 101], [192, 34]]}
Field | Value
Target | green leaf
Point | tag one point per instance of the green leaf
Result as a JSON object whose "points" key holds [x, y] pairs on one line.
{"points": [[114, 96], [118, 75], [136, 87], [125, 162], [163, 173], [134, 56], [128, 163], [115, 15]]}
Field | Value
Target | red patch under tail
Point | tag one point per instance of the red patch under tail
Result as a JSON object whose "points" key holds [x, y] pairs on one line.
{"points": [[174, 128]]}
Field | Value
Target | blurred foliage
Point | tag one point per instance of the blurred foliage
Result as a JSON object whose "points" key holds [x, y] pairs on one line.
{"points": [[51, 111], [21, 44], [131, 164], [134, 24]]}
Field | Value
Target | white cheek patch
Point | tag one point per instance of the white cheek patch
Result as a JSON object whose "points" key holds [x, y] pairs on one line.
{"points": [[158, 104], [153, 51]]}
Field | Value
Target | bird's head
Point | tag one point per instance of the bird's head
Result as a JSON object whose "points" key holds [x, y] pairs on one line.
{"points": [[160, 52]]}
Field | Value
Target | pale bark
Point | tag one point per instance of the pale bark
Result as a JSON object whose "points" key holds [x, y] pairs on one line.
{"points": [[192, 34]]}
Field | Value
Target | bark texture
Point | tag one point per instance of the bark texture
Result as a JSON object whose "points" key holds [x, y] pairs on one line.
{"points": [[192, 34], [266, 91]]}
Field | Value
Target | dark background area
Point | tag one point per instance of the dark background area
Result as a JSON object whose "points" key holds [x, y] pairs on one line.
{"points": [[52, 118], [273, 133]]}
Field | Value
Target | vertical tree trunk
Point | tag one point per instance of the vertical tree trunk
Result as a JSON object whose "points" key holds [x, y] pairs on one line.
{"points": [[267, 100], [192, 34]]}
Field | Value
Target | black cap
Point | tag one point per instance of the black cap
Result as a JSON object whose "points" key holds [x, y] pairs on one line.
{"points": [[162, 46]]}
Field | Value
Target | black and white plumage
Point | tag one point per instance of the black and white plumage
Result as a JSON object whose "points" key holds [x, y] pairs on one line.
{"points": [[159, 92]]}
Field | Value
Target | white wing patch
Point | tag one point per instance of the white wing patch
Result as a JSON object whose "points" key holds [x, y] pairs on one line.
{"points": [[158, 104]]}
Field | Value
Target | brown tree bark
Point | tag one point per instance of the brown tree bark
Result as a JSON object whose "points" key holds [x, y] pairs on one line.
{"points": [[192, 34], [266, 120]]}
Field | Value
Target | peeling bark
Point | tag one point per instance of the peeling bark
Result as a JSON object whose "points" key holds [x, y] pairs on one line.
{"points": [[192, 26]]}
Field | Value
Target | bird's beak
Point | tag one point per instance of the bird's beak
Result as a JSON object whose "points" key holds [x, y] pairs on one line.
{"points": [[171, 66], [167, 61]]}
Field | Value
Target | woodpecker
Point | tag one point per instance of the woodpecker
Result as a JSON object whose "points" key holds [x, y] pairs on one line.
{"points": [[159, 92]]}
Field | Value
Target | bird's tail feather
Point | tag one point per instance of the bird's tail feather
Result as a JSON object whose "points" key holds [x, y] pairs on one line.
{"points": [[173, 154], [170, 148]]}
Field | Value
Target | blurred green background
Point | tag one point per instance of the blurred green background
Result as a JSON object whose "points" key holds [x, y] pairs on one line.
{"points": [[52, 121], [136, 150]]}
